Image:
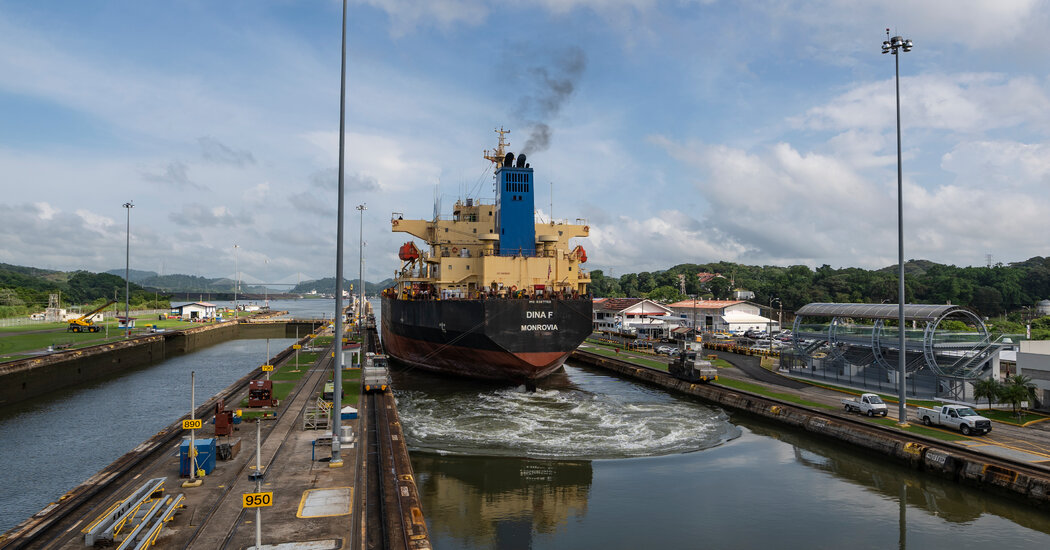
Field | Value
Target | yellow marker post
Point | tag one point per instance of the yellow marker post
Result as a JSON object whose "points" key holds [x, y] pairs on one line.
{"points": [[267, 368], [192, 424]]}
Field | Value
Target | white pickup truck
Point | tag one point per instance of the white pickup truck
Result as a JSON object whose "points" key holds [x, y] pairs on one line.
{"points": [[868, 403], [956, 416]]}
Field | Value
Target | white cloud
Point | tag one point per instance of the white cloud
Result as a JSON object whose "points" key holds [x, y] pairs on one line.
{"points": [[970, 103]]}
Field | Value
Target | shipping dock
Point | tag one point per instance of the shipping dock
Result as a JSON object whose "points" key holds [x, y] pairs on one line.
{"points": [[147, 496]]}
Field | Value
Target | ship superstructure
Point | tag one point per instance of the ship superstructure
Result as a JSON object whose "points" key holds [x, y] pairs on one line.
{"points": [[513, 288]]}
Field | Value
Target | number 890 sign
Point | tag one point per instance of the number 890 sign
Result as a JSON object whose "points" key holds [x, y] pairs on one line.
{"points": [[257, 500]]}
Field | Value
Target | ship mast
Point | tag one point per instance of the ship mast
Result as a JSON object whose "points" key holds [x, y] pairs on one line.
{"points": [[497, 155]]}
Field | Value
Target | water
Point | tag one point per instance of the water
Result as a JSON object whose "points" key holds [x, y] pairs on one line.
{"points": [[51, 444], [580, 465], [305, 308]]}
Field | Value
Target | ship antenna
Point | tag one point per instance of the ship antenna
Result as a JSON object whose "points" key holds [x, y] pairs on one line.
{"points": [[497, 155]]}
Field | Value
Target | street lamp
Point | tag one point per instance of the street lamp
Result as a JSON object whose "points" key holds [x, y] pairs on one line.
{"points": [[237, 280], [127, 272], [769, 333], [894, 45], [361, 268], [337, 376]]}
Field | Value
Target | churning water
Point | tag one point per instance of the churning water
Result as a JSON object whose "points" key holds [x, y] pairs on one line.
{"points": [[577, 415]]}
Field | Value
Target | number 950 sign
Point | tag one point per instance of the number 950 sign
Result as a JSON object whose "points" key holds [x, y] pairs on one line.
{"points": [[257, 500]]}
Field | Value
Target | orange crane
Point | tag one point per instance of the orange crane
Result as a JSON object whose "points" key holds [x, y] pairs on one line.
{"points": [[84, 324]]}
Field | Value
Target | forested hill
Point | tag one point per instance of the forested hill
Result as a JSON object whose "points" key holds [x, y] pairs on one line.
{"points": [[327, 286], [25, 290], [988, 290]]}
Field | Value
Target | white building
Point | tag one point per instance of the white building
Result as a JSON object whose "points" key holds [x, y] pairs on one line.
{"points": [[195, 310], [723, 315], [640, 317], [1033, 361]]}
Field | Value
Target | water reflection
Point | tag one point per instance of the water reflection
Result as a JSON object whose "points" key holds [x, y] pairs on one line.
{"points": [[885, 477], [500, 502], [767, 488]]}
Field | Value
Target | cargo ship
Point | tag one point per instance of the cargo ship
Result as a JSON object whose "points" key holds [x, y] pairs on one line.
{"points": [[493, 294]]}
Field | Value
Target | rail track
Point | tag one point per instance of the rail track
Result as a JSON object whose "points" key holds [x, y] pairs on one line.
{"points": [[393, 515], [62, 520]]}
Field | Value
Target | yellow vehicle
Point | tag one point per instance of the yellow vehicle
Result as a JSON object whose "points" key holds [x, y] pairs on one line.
{"points": [[84, 324]]}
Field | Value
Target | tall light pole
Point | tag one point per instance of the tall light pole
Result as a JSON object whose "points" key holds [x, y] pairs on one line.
{"points": [[127, 272], [894, 45], [361, 268], [769, 333], [237, 280], [337, 391]]}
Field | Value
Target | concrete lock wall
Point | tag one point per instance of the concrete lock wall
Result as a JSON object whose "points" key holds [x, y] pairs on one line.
{"points": [[915, 450], [28, 378]]}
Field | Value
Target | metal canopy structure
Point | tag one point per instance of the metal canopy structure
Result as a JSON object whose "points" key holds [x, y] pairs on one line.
{"points": [[844, 333], [912, 312]]}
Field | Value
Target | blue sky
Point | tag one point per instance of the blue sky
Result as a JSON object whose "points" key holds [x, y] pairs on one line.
{"points": [[682, 131]]}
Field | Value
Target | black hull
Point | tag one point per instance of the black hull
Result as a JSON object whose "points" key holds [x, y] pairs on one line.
{"points": [[515, 340]]}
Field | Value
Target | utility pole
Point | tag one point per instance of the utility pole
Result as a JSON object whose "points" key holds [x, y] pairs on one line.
{"points": [[127, 273], [337, 378], [361, 268]]}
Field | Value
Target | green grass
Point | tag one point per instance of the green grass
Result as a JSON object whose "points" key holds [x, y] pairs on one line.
{"points": [[885, 397], [306, 359], [289, 373], [323, 341], [281, 389], [762, 390], [1008, 417], [921, 430], [16, 345]]}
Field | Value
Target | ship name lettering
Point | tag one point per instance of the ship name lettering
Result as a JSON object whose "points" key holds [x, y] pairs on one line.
{"points": [[538, 327], [539, 314]]}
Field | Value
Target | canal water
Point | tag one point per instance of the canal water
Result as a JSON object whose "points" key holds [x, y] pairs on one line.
{"points": [[591, 460], [51, 444]]}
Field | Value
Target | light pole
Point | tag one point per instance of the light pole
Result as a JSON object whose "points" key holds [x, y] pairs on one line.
{"points": [[894, 45], [127, 272], [337, 377], [237, 280], [266, 291], [769, 333], [361, 268]]}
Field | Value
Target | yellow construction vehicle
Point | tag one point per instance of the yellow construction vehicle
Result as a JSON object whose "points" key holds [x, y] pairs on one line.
{"points": [[84, 324]]}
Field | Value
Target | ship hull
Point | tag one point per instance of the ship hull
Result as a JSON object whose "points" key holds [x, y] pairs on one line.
{"points": [[516, 340]]}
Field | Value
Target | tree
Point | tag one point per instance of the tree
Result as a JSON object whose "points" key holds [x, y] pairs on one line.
{"points": [[719, 288], [665, 294], [989, 388], [1018, 388]]}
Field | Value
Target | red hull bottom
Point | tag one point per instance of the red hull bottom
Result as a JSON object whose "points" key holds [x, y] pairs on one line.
{"points": [[473, 363]]}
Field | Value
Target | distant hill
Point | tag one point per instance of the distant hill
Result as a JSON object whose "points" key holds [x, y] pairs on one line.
{"points": [[136, 275], [912, 267], [26, 290], [327, 286]]}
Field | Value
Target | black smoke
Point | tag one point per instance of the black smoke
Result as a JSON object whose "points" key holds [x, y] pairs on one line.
{"points": [[555, 84]]}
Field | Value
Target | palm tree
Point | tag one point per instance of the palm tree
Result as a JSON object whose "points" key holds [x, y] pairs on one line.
{"points": [[989, 388], [1018, 388]]}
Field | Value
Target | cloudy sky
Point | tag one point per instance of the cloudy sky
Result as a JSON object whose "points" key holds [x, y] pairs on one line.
{"points": [[760, 132]]}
